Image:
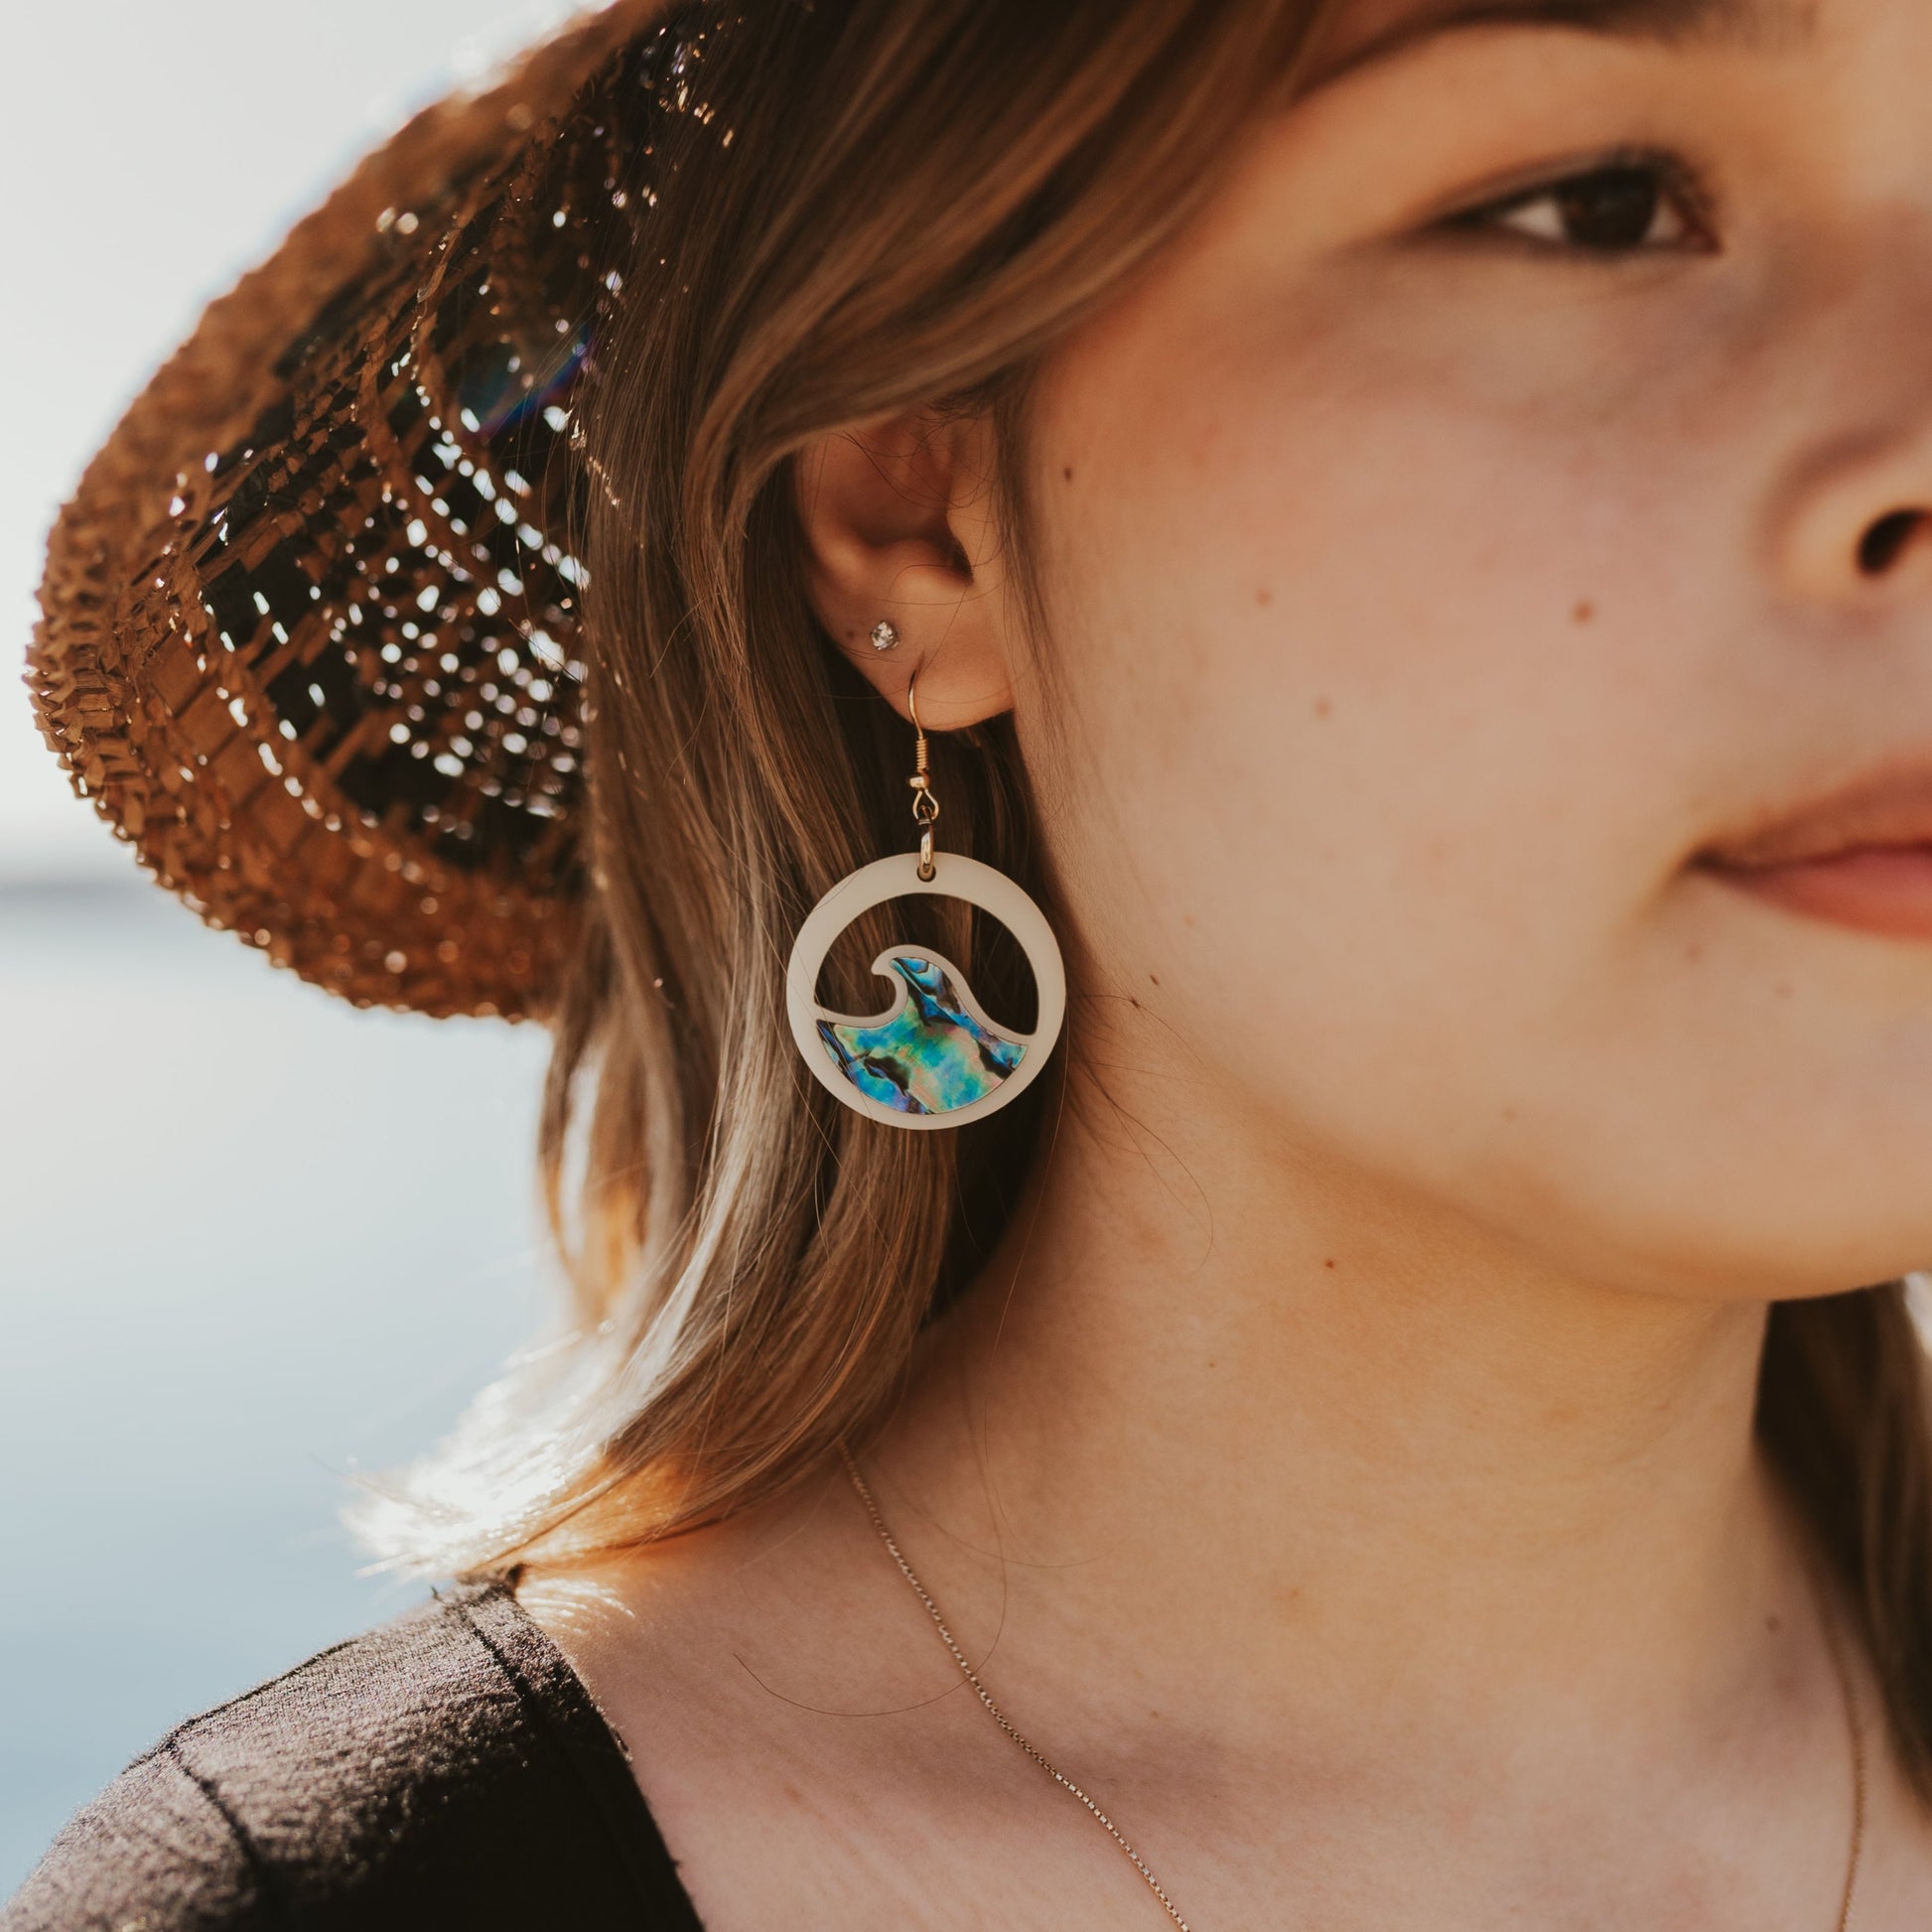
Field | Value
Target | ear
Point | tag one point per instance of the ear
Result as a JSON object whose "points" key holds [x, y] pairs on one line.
{"points": [[899, 519]]}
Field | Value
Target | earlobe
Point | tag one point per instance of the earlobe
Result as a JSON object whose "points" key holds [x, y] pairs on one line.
{"points": [[898, 524]]}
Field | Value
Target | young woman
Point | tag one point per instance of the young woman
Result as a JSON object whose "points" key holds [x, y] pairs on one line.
{"points": [[1407, 530]]}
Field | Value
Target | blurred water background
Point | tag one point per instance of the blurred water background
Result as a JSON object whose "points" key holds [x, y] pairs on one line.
{"points": [[250, 1240]]}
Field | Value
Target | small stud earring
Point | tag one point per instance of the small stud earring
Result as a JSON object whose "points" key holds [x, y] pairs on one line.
{"points": [[884, 637]]}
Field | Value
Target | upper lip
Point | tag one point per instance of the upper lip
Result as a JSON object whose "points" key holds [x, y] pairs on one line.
{"points": [[1891, 807]]}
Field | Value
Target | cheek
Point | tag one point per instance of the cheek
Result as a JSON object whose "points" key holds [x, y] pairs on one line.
{"points": [[1381, 740], [1353, 683]]}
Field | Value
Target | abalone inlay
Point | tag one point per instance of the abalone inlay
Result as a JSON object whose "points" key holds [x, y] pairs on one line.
{"points": [[930, 1054]]}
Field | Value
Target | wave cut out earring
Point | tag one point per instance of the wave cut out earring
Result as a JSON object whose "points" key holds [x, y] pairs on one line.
{"points": [[933, 1057]]}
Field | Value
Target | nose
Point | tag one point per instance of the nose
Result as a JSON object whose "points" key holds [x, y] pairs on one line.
{"points": [[1862, 524]]}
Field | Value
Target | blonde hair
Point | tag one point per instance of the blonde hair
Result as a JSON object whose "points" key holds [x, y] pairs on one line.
{"points": [[858, 210]]}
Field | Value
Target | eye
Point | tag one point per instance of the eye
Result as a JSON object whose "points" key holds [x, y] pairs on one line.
{"points": [[1620, 207]]}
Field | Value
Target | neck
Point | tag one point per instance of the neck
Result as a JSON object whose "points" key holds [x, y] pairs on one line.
{"points": [[1285, 1428]]}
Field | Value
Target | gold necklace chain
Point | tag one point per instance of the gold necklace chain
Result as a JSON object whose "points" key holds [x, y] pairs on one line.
{"points": [[1841, 1669], [985, 1696]]}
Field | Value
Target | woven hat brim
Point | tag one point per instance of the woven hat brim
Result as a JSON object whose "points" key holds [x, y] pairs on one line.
{"points": [[182, 733]]}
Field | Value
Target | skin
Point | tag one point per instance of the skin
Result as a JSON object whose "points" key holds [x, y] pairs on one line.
{"points": [[1345, 1468]]}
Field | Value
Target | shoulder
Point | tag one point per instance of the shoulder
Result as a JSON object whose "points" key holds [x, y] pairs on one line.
{"points": [[445, 1769]]}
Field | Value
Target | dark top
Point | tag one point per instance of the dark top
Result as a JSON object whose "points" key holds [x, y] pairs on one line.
{"points": [[447, 1769]]}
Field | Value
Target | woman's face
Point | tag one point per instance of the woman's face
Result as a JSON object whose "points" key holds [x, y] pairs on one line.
{"points": [[1503, 501]]}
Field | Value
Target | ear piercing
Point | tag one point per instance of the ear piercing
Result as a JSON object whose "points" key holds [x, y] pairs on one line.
{"points": [[884, 637]]}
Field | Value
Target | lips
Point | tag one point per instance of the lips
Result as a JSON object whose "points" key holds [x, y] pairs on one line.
{"points": [[1861, 857]]}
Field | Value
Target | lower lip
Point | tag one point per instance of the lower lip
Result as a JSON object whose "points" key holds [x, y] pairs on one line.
{"points": [[1873, 888]]}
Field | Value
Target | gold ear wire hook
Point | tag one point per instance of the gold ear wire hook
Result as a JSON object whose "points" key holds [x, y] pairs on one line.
{"points": [[925, 807]]}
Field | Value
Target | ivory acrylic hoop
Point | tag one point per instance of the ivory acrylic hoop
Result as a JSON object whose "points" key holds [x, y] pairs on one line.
{"points": [[953, 877]]}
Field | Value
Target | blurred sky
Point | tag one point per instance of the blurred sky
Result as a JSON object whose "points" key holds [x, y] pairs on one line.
{"points": [[150, 150], [251, 1241]]}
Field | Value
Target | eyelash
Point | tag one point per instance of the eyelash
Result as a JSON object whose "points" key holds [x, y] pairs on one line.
{"points": [[1676, 182]]}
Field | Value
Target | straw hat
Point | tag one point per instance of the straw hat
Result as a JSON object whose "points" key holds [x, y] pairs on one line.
{"points": [[309, 624]]}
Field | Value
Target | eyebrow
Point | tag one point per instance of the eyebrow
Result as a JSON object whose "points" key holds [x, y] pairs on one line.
{"points": [[1744, 22]]}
